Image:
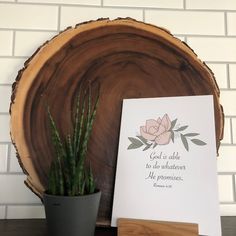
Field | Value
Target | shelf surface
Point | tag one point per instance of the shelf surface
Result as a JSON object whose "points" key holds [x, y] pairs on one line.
{"points": [[37, 227]]}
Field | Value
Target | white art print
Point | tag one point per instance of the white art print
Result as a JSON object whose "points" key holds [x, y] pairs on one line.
{"points": [[166, 166]]}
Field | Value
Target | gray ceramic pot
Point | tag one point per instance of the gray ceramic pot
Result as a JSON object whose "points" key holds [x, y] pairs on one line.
{"points": [[71, 216]]}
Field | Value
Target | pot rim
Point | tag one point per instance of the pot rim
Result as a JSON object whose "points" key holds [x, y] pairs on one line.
{"points": [[97, 192]]}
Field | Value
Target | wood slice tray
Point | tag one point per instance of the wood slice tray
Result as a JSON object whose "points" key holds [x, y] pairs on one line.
{"points": [[129, 59]]}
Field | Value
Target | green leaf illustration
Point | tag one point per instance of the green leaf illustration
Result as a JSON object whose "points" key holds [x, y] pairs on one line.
{"points": [[135, 143], [172, 136], [184, 141], [142, 139], [191, 134], [147, 147], [182, 128], [155, 144], [198, 142], [173, 123]]}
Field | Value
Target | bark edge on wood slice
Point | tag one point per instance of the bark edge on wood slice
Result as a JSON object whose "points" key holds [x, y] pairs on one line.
{"points": [[130, 59]]}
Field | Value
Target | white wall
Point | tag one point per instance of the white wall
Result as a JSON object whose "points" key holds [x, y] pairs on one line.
{"points": [[208, 26]]}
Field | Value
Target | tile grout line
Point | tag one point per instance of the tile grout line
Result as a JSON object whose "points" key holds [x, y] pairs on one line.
{"points": [[227, 203], [122, 7], [179, 35], [226, 173], [185, 39], [13, 42], [228, 76], [5, 85], [59, 19], [8, 157], [15, 57], [234, 188], [184, 4], [102, 3], [144, 15], [54, 4], [5, 143], [12, 173], [220, 62], [231, 130], [228, 89], [21, 204], [225, 23], [6, 209], [29, 30], [227, 145]]}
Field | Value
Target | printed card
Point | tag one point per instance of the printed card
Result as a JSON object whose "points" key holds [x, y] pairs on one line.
{"points": [[166, 166]]}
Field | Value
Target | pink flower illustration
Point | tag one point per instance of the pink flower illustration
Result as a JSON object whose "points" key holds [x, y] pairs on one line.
{"points": [[157, 130], [160, 132]]}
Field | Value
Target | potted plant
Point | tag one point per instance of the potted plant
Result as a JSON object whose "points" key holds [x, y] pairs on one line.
{"points": [[71, 200]]}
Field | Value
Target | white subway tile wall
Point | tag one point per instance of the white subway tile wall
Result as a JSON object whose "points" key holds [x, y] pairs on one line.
{"points": [[4, 127], [145, 4], [234, 130], [227, 159], [207, 23], [73, 15], [27, 42], [231, 19], [79, 2], [213, 5], [13, 161], [227, 132], [226, 182], [209, 27], [13, 190], [2, 212], [232, 74], [9, 68], [6, 38], [220, 73], [5, 91], [217, 49], [26, 212], [22, 16], [229, 107], [3, 157]]}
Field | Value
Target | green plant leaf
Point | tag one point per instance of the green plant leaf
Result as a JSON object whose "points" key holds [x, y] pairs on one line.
{"points": [[90, 181], [135, 143], [68, 174], [173, 123], [191, 134], [184, 141], [198, 142], [182, 128]]}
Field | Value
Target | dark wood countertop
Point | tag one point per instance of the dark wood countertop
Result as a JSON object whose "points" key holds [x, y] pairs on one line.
{"points": [[37, 227]]}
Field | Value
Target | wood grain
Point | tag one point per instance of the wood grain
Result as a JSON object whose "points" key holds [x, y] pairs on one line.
{"points": [[129, 59], [133, 227]]}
